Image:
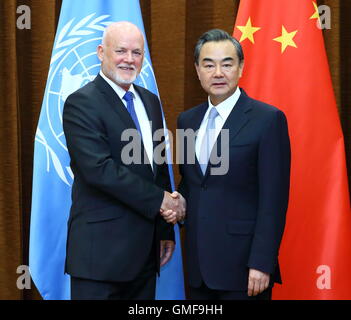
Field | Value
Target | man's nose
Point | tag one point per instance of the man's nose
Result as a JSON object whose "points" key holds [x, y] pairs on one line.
{"points": [[218, 71], [129, 57]]}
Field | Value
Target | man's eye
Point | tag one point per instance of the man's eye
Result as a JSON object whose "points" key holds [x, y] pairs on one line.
{"points": [[208, 66], [227, 65]]}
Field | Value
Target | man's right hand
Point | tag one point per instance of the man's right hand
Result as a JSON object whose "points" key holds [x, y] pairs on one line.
{"points": [[173, 207]]}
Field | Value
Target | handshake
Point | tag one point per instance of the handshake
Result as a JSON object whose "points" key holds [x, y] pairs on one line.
{"points": [[173, 207]]}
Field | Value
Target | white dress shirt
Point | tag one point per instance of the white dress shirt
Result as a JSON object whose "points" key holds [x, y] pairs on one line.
{"points": [[224, 109], [144, 122]]}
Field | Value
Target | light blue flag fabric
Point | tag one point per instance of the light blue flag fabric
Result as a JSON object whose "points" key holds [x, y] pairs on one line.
{"points": [[73, 64]]}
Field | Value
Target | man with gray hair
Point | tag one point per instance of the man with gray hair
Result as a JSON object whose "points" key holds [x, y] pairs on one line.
{"points": [[235, 220], [120, 228]]}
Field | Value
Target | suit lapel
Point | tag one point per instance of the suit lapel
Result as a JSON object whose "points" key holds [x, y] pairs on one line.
{"points": [[194, 123], [236, 120], [117, 106], [114, 101], [197, 118], [155, 116]]}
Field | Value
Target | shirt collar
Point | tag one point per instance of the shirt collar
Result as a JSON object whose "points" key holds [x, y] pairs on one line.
{"points": [[226, 106], [119, 91]]}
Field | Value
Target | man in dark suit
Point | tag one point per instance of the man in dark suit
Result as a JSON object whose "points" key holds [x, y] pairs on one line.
{"points": [[122, 213], [236, 208]]}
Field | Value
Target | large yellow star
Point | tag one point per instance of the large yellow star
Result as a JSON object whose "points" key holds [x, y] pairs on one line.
{"points": [[248, 31], [286, 39]]}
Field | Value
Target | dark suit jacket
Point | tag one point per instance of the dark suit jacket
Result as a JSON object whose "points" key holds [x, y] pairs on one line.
{"points": [[236, 221], [115, 206]]}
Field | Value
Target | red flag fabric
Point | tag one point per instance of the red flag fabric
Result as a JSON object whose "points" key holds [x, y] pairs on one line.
{"points": [[286, 66]]}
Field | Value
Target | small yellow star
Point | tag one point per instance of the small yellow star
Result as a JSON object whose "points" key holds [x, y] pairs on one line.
{"points": [[248, 31], [286, 39], [316, 14]]}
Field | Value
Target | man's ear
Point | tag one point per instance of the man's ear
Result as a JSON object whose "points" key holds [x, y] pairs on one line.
{"points": [[197, 69], [100, 52], [142, 62], [241, 66]]}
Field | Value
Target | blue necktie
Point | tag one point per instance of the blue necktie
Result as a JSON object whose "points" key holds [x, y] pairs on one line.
{"points": [[208, 140], [130, 107]]}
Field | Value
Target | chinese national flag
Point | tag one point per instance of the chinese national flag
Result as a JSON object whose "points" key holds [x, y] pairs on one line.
{"points": [[286, 66]]}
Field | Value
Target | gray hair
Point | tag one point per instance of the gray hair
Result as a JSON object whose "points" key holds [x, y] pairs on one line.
{"points": [[217, 35]]}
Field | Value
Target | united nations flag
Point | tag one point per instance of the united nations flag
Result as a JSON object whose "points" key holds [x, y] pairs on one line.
{"points": [[74, 63]]}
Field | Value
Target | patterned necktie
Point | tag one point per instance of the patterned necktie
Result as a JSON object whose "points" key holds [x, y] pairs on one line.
{"points": [[208, 140], [130, 107]]}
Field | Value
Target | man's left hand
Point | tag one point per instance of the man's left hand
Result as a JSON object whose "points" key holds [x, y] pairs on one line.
{"points": [[167, 248], [258, 282]]}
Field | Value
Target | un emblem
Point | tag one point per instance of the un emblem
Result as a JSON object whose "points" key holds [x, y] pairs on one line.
{"points": [[74, 63]]}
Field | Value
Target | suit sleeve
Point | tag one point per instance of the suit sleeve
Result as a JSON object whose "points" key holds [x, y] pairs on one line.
{"points": [[274, 180], [166, 230], [89, 149], [182, 187]]}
